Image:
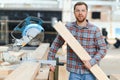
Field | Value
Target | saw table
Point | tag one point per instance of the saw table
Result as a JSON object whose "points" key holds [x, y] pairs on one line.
{"points": [[28, 69]]}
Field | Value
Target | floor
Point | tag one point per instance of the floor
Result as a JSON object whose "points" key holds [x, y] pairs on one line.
{"points": [[111, 62]]}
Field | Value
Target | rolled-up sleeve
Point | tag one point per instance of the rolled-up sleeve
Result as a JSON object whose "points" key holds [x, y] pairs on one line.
{"points": [[100, 47], [57, 43]]}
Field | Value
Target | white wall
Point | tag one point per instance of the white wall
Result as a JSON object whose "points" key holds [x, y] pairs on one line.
{"points": [[110, 27]]}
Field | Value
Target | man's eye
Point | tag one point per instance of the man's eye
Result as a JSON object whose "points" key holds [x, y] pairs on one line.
{"points": [[80, 10]]}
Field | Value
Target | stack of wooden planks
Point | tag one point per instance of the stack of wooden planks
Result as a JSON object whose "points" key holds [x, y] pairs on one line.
{"points": [[26, 71], [5, 67], [30, 70]]}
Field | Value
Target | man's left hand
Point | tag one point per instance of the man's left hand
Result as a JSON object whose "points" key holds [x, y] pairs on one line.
{"points": [[87, 64]]}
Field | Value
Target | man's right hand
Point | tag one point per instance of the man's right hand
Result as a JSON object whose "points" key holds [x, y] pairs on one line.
{"points": [[52, 68]]}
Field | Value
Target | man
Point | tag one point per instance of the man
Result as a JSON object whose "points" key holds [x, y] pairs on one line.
{"points": [[89, 36]]}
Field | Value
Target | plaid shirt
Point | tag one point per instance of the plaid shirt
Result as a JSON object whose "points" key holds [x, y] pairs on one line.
{"points": [[90, 39]]}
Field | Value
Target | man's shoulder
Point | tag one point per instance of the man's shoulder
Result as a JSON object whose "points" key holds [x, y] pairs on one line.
{"points": [[70, 24], [93, 26]]}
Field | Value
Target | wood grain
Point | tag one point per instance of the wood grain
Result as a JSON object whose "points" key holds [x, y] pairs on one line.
{"points": [[41, 51], [26, 71]]}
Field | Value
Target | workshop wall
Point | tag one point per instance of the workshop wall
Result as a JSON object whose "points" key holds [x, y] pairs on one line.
{"points": [[16, 16]]}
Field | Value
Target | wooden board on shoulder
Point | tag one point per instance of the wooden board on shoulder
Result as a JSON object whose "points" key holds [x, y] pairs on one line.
{"points": [[79, 50]]}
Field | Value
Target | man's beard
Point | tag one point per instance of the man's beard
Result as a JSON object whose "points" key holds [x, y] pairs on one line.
{"points": [[80, 20]]}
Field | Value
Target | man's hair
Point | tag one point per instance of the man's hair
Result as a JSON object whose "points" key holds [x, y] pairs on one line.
{"points": [[81, 3]]}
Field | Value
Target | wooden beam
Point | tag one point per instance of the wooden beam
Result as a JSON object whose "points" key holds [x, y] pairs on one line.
{"points": [[63, 72], [12, 53], [5, 71], [16, 54], [2, 77], [3, 48], [26, 71], [43, 74], [79, 50], [41, 54], [41, 51], [51, 75]]}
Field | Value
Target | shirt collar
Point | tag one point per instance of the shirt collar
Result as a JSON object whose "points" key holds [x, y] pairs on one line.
{"points": [[86, 27]]}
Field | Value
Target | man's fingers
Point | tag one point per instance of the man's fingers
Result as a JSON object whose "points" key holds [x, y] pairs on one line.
{"points": [[87, 64], [84, 61], [52, 68]]}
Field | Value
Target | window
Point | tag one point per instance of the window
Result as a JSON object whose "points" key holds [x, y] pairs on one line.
{"points": [[96, 15]]}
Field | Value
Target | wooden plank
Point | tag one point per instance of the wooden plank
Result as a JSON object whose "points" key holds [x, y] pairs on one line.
{"points": [[26, 71], [63, 72], [12, 57], [16, 54], [41, 51], [41, 54], [3, 48], [2, 77], [6, 55], [51, 75], [13, 53], [43, 74], [79, 50], [115, 77], [4, 71]]}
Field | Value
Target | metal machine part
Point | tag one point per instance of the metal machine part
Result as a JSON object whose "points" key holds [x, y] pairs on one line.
{"points": [[6, 57], [33, 34], [31, 31]]}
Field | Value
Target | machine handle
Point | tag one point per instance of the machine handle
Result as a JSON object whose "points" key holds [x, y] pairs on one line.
{"points": [[35, 19], [20, 27]]}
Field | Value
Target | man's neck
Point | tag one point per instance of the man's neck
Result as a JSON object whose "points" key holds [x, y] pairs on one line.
{"points": [[82, 24]]}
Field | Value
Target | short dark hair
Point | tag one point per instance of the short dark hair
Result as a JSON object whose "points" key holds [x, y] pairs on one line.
{"points": [[81, 3]]}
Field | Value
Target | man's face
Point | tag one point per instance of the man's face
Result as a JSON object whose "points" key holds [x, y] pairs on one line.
{"points": [[80, 13]]}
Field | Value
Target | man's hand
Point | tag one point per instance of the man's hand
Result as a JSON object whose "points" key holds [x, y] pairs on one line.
{"points": [[52, 68], [87, 64]]}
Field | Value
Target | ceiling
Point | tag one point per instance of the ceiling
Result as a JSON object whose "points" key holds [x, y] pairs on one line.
{"points": [[53, 4]]}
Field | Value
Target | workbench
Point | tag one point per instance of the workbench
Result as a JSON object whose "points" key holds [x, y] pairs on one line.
{"points": [[27, 70]]}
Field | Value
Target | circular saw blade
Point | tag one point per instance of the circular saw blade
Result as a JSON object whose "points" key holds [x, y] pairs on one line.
{"points": [[37, 40]]}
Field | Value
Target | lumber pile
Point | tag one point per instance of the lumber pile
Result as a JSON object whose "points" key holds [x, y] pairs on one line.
{"points": [[29, 70], [26, 71], [6, 62]]}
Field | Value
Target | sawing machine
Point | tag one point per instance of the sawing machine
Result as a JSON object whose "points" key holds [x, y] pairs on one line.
{"points": [[31, 31]]}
